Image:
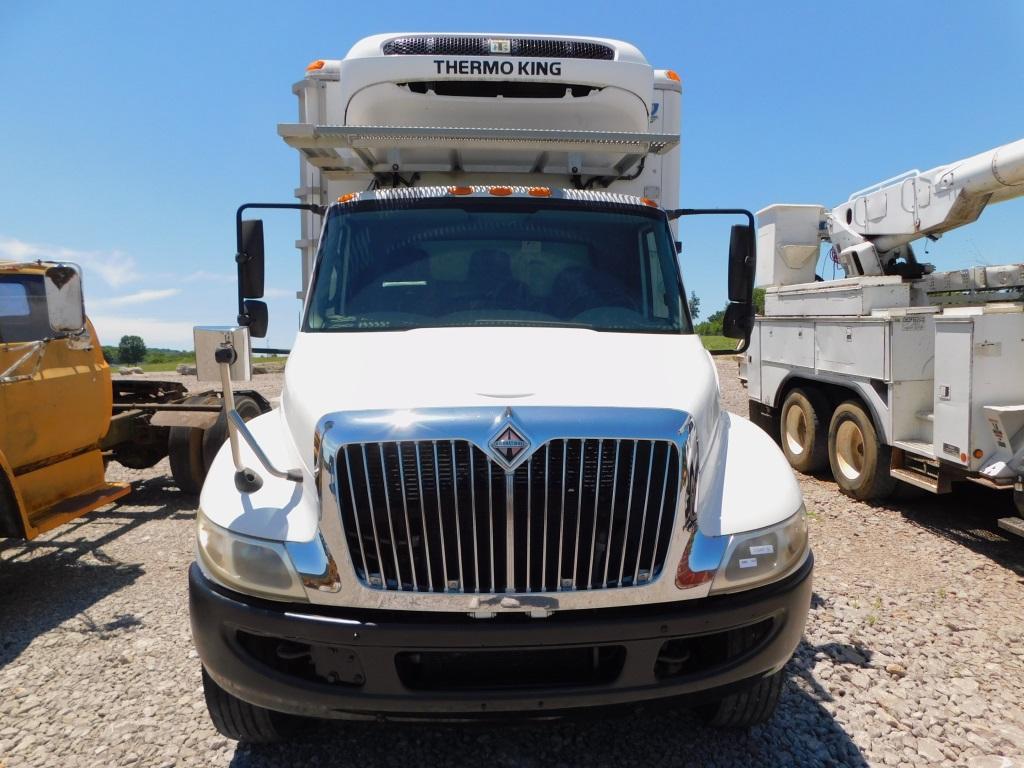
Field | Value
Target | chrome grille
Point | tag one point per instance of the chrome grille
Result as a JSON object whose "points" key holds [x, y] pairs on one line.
{"points": [[442, 516], [432, 45]]}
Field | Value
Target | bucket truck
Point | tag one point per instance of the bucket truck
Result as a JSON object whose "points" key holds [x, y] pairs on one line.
{"points": [[896, 372]]}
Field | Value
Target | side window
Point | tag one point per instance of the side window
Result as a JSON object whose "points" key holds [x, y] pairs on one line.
{"points": [[23, 315], [654, 278]]}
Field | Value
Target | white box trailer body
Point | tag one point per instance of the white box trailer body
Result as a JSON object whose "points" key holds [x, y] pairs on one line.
{"points": [[933, 360], [496, 410]]}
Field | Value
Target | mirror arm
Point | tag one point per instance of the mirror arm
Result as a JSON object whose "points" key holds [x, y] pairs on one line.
{"points": [[241, 256], [678, 212], [246, 480]]}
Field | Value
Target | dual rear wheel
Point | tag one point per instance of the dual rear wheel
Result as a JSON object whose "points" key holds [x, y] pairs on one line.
{"points": [[849, 443]]}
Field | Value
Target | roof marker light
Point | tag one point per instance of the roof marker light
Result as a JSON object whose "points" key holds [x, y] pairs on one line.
{"points": [[346, 198], [648, 201], [500, 191], [460, 190], [315, 65], [539, 192], [672, 75]]}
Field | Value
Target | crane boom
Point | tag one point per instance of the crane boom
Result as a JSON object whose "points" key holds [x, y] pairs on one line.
{"points": [[872, 231]]}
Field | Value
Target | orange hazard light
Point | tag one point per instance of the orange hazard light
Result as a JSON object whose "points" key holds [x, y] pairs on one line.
{"points": [[315, 65]]}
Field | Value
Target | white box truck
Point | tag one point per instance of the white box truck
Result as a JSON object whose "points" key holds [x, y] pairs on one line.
{"points": [[500, 481], [894, 373]]}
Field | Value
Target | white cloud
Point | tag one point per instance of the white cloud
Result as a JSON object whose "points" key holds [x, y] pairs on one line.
{"points": [[203, 275], [279, 293], [139, 297], [114, 267], [174, 334]]}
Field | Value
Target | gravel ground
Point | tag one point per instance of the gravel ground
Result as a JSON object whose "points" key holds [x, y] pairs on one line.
{"points": [[914, 652]]}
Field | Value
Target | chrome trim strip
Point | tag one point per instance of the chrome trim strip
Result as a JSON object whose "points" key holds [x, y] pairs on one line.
{"points": [[629, 509], [458, 525], [405, 510], [472, 508], [359, 533], [373, 520], [510, 532], [440, 521], [597, 501], [391, 517], [615, 485], [423, 516], [643, 518]]}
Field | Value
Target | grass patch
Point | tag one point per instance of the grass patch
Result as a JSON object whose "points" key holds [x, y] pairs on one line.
{"points": [[719, 342], [167, 366]]}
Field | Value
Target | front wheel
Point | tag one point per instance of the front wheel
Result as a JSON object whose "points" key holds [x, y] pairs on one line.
{"points": [[860, 462], [749, 707], [240, 720]]}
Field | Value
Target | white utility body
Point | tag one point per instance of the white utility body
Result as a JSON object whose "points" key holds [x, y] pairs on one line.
{"points": [[934, 361], [514, 486]]}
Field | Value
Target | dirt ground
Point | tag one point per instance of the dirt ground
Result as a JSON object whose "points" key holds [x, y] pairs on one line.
{"points": [[913, 655]]}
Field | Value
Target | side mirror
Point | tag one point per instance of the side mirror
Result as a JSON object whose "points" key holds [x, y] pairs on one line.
{"points": [[738, 321], [64, 303], [742, 262], [250, 258], [255, 317], [209, 338]]}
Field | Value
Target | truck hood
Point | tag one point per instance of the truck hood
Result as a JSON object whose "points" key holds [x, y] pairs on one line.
{"points": [[459, 367]]}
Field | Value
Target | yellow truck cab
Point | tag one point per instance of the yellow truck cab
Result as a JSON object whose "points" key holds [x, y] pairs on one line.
{"points": [[55, 401]]}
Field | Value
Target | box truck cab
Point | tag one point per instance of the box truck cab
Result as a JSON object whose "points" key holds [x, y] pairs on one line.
{"points": [[500, 480]]}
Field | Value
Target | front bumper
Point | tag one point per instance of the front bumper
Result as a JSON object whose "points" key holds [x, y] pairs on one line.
{"points": [[307, 660]]}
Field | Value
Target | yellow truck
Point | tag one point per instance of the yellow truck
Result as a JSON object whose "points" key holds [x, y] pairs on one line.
{"points": [[62, 416]]}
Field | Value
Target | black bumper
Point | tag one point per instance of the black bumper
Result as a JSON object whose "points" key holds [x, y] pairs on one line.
{"points": [[306, 660]]}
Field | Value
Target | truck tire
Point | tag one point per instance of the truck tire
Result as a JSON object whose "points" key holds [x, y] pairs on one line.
{"points": [[240, 720], [803, 433], [185, 451], [216, 435], [11, 523], [749, 707], [860, 462]]}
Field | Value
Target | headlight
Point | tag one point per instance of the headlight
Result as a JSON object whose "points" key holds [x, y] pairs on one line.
{"points": [[758, 557], [254, 566]]}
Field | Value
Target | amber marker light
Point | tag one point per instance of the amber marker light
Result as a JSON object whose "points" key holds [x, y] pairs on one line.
{"points": [[460, 190], [978, 453], [687, 579], [500, 191], [313, 66], [349, 196], [648, 201], [539, 192], [671, 74]]}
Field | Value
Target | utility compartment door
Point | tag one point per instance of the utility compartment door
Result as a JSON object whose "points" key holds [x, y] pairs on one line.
{"points": [[854, 348], [788, 341], [754, 364], [954, 340]]}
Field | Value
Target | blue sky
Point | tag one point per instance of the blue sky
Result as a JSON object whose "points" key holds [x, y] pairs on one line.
{"points": [[129, 133]]}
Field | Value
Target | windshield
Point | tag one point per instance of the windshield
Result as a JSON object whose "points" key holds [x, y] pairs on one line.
{"points": [[478, 262]]}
